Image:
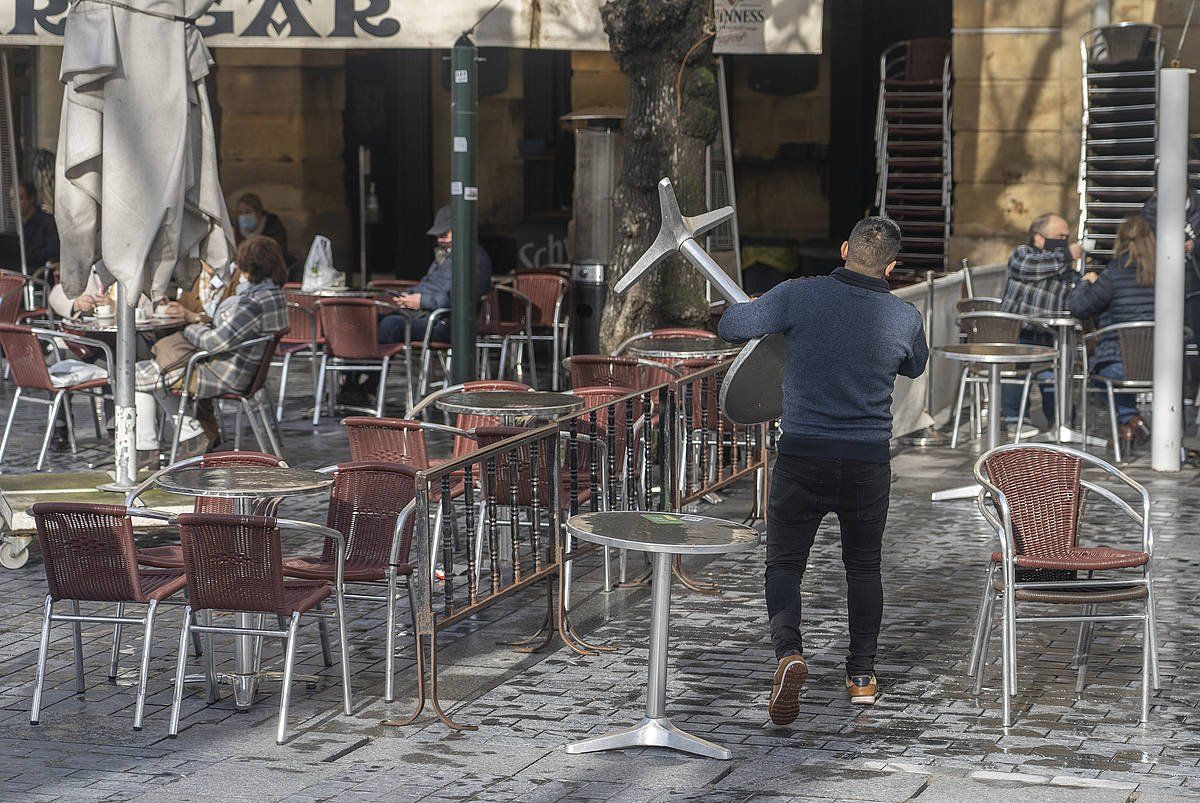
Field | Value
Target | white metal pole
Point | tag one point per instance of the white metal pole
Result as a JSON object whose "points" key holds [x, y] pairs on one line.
{"points": [[1167, 423], [123, 390]]}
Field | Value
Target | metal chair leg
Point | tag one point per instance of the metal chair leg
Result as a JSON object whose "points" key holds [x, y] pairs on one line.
{"points": [[1023, 406], [323, 627], [389, 663], [962, 390], [1084, 648], [54, 407], [344, 649], [1112, 415], [43, 647], [210, 662], [1153, 629], [12, 411], [381, 396], [139, 707], [319, 396], [70, 421], [263, 411], [1006, 678], [985, 642], [1147, 641], [285, 693], [180, 670], [283, 378], [980, 620], [77, 637], [115, 656]]}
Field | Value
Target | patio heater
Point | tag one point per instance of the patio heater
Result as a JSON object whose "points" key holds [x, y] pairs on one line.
{"points": [[597, 166]]}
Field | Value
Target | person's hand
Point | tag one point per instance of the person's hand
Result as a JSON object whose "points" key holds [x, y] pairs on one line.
{"points": [[410, 300], [1091, 276], [1189, 246], [177, 310], [84, 304], [1076, 250]]}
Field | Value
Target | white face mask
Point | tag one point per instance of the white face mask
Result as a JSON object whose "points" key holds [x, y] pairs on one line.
{"points": [[242, 286]]}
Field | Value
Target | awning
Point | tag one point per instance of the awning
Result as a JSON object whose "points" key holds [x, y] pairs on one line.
{"points": [[744, 26]]}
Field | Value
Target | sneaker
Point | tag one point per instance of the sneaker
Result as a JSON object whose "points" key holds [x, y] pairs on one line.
{"points": [[785, 693], [862, 688]]}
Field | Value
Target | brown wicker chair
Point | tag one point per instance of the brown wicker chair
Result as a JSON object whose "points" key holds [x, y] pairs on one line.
{"points": [[551, 317], [1033, 498], [595, 370], [371, 505], [464, 423], [1136, 339], [494, 329], [304, 339], [351, 328], [89, 554], [235, 563], [23, 347]]}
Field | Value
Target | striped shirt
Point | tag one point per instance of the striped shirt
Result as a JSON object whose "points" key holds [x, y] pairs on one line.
{"points": [[1038, 281]]}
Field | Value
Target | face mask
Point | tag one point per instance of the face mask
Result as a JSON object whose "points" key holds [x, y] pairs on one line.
{"points": [[242, 286], [247, 223], [1057, 245]]}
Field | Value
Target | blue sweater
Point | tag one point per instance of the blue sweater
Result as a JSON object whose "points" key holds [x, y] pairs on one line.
{"points": [[1115, 297], [847, 337]]}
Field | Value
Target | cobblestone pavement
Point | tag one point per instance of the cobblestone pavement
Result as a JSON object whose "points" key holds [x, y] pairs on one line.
{"points": [[928, 739]]}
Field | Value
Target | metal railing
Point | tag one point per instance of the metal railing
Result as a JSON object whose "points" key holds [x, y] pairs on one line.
{"points": [[490, 523]]}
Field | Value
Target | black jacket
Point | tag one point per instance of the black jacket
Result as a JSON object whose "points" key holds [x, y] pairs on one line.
{"points": [[41, 239], [1115, 297]]}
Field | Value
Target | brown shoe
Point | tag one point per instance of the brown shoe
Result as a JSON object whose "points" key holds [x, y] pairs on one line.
{"points": [[863, 689], [785, 692], [1138, 430]]}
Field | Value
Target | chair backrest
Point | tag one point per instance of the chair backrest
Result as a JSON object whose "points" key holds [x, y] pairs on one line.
{"points": [[88, 551], [1137, 352], [212, 504], [978, 305], [12, 298], [303, 327], [364, 504], [622, 414], [24, 352], [681, 331], [390, 284], [470, 421], [546, 291], [1044, 497], [393, 440], [598, 370], [233, 563], [514, 469], [351, 327], [259, 381], [990, 327], [700, 390]]}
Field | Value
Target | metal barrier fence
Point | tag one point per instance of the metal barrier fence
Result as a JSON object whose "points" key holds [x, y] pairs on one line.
{"points": [[490, 523]]}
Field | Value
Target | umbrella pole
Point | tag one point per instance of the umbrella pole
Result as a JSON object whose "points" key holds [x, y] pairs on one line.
{"points": [[123, 390]]}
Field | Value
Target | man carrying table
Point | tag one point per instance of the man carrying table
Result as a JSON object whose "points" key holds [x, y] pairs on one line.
{"points": [[847, 339]]}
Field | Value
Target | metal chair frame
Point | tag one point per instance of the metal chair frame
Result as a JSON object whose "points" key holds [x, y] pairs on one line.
{"points": [[1110, 387], [560, 329], [989, 499], [312, 351], [286, 632], [57, 397], [487, 342], [76, 618], [333, 364], [253, 406]]}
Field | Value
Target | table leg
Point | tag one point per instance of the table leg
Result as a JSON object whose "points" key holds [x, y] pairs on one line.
{"points": [[655, 730], [1062, 431], [993, 437], [246, 652]]}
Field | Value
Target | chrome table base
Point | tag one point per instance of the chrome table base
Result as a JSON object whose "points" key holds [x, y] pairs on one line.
{"points": [[652, 732]]}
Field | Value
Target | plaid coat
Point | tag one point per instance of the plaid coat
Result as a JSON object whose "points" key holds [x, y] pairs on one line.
{"points": [[260, 310], [1038, 281]]}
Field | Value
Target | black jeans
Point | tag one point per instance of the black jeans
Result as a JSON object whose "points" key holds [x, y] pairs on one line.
{"points": [[803, 491]]}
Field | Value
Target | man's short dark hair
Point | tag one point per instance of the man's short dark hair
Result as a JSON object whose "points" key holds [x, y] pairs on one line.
{"points": [[873, 244], [30, 189]]}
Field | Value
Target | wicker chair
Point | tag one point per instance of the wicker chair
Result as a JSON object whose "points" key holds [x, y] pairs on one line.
{"points": [[24, 347], [594, 370], [1033, 497], [978, 304], [496, 331], [990, 326], [1136, 339], [551, 317], [371, 505], [235, 563], [464, 423], [351, 327], [304, 339], [89, 554]]}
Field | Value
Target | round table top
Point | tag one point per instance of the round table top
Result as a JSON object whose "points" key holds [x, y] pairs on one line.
{"points": [[996, 352], [93, 325], [676, 533], [342, 292], [504, 403], [684, 347], [244, 482]]}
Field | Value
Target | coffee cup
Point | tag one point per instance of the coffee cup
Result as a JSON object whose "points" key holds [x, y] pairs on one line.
{"points": [[104, 310], [140, 314]]}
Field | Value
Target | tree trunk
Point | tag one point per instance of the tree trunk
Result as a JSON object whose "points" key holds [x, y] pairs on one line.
{"points": [[663, 136]]}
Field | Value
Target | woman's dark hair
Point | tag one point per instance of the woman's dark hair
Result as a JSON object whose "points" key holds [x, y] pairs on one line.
{"points": [[261, 258], [253, 201]]}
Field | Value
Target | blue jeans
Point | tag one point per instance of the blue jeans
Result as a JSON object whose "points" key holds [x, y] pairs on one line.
{"points": [[1010, 395], [391, 328], [1126, 402]]}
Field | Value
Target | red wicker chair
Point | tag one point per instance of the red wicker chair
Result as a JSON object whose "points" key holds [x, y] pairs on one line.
{"points": [[464, 423], [551, 317], [495, 330], [371, 505], [351, 328], [24, 347], [1033, 498], [597, 370], [89, 555], [235, 563], [304, 339]]}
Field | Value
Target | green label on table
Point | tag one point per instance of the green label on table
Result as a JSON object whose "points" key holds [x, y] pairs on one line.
{"points": [[661, 518]]}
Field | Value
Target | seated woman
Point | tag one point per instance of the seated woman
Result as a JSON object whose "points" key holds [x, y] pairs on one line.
{"points": [[1123, 292], [257, 308], [253, 219]]}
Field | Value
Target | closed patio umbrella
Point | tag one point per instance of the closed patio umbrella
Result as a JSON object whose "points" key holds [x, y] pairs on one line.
{"points": [[137, 183]]}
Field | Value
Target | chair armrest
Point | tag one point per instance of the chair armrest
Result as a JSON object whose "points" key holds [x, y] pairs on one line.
{"points": [[202, 356], [398, 533], [431, 398], [131, 497], [440, 312], [625, 343], [449, 430], [326, 532], [52, 336], [662, 366]]}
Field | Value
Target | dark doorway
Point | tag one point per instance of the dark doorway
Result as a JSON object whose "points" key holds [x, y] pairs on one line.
{"points": [[388, 97], [859, 32]]}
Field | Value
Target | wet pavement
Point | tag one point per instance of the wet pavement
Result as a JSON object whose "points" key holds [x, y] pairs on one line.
{"points": [[929, 738]]}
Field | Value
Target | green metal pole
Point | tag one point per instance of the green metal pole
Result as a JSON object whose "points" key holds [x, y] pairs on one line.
{"points": [[464, 103]]}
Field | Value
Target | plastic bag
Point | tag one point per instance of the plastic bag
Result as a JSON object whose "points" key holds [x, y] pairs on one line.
{"points": [[318, 268], [65, 373]]}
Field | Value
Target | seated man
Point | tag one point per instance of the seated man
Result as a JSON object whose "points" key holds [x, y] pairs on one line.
{"points": [[37, 228], [1041, 274], [433, 291]]}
